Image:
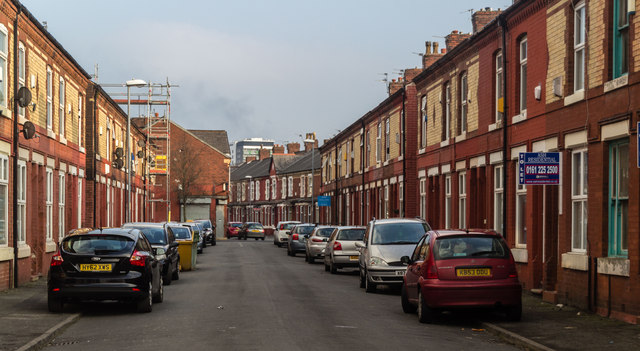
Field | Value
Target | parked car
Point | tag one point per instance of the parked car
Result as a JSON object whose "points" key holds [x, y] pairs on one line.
{"points": [[105, 264], [295, 242], [340, 250], [209, 230], [385, 242], [316, 241], [455, 269], [281, 234], [164, 245], [251, 230], [196, 230], [232, 229]]}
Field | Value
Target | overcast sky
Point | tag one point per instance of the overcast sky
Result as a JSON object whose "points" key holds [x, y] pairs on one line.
{"points": [[272, 69]]}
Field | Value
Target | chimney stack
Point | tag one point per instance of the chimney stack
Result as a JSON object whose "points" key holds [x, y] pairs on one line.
{"points": [[481, 18], [278, 149], [292, 148], [308, 145], [264, 153], [250, 159], [454, 39], [431, 55]]}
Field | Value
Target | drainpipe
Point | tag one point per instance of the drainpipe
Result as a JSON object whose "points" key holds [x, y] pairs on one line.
{"points": [[95, 152], [404, 147], [505, 145], [335, 172], [16, 136], [362, 156]]}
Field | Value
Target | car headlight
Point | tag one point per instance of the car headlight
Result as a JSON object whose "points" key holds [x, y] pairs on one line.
{"points": [[377, 261]]}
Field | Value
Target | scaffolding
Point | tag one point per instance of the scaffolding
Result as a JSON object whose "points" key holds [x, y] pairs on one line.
{"points": [[154, 109]]}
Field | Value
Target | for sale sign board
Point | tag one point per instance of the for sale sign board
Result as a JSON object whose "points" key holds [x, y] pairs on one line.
{"points": [[539, 168]]}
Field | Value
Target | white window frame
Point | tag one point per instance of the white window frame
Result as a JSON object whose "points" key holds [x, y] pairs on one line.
{"points": [[303, 188], [267, 189], [387, 139], [447, 202], [80, 107], [386, 201], [447, 111], [22, 67], [523, 57], [499, 88], [348, 161], [579, 203], [579, 40], [251, 191], [401, 198], [109, 205], [274, 188], [257, 187], [49, 204], [462, 200], [498, 200], [4, 73], [521, 237], [61, 204], [22, 202], [4, 194], [290, 186], [49, 99], [423, 198], [310, 183], [368, 146], [284, 188], [464, 98], [348, 208], [379, 143], [62, 123]]}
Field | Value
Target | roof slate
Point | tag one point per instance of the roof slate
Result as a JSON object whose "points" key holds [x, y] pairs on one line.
{"points": [[216, 138]]}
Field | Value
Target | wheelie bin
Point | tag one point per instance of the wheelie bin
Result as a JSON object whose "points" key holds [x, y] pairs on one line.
{"points": [[188, 252]]}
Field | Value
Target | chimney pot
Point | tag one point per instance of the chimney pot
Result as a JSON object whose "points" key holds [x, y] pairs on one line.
{"points": [[428, 45]]}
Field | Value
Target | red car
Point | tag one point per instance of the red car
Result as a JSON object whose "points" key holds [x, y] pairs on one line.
{"points": [[451, 269], [232, 229]]}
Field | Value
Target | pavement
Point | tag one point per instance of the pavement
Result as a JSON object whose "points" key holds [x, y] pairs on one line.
{"points": [[25, 324]]}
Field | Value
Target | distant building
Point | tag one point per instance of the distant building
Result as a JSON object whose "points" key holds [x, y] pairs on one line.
{"points": [[242, 149]]}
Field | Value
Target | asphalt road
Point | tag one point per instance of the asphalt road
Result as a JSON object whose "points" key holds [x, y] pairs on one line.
{"points": [[249, 295]]}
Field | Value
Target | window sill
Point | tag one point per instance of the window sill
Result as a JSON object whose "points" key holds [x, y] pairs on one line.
{"points": [[386, 163], [575, 97], [519, 118], [63, 140], [520, 255], [51, 134], [444, 143], [21, 119], [461, 137], [495, 126], [83, 150], [577, 261], [422, 151], [50, 246], [6, 254], [614, 266], [5, 112], [24, 250], [616, 83]]}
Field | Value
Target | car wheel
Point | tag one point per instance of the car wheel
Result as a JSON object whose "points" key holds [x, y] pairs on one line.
{"points": [[159, 296], [362, 278], [144, 304], [213, 243], [311, 260], [176, 273], [368, 285], [425, 314], [204, 243], [326, 267], [200, 250], [514, 313], [257, 239], [407, 307], [332, 267], [54, 303], [262, 238]]}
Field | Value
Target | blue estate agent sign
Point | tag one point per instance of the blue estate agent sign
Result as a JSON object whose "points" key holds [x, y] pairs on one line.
{"points": [[324, 201], [539, 168]]}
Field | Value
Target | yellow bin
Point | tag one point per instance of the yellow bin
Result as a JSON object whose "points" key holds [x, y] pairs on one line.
{"points": [[188, 252]]}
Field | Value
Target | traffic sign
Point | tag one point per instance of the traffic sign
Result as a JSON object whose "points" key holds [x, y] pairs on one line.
{"points": [[539, 168]]}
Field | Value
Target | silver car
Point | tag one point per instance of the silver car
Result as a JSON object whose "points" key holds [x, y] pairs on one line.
{"points": [[341, 250], [385, 242], [297, 238], [315, 243], [281, 234]]}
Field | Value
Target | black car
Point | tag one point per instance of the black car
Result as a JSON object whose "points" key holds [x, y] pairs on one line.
{"points": [[209, 230], [164, 245], [105, 264]]}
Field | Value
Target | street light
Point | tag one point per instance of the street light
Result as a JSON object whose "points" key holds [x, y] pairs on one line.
{"points": [[130, 83], [313, 208]]}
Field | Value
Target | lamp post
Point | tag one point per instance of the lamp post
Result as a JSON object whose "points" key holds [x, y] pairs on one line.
{"points": [[313, 208], [250, 214], [130, 83]]}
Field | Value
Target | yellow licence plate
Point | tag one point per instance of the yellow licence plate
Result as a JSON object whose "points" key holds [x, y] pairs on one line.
{"points": [[95, 267], [473, 272], [353, 258]]}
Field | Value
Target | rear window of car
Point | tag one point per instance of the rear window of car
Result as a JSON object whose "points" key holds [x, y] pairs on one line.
{"points": [[181, 233], [325, 232], [156, 236], [205, 224], [469, 246], [255, 226], [304, 229], [287, 226], [398, 233], [97, 244], [235, 225], [351, 234]]}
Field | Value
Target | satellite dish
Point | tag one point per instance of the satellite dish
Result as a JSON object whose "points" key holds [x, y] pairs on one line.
{"points": [[140, 154], [24, 97], [28, 130], [118, 163], [149, 159], [119, 153], [152, 163], [141, 143]]}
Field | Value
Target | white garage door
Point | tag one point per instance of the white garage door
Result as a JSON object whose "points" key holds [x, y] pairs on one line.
{"points": [[196, 211]]}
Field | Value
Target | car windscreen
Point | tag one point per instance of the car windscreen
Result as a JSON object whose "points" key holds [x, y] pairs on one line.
{"points": [[156, 236], [324, 232], [398, 233], [287, 226], [351, 234], [205, 224], [304, 229], [97, 244], [181, 233], [255, 226], [469, 246]]}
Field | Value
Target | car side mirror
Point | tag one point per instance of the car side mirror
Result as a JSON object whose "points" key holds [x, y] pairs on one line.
{"points": [[405, 260], [306, 236], [174, 244], [360, 244]]}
